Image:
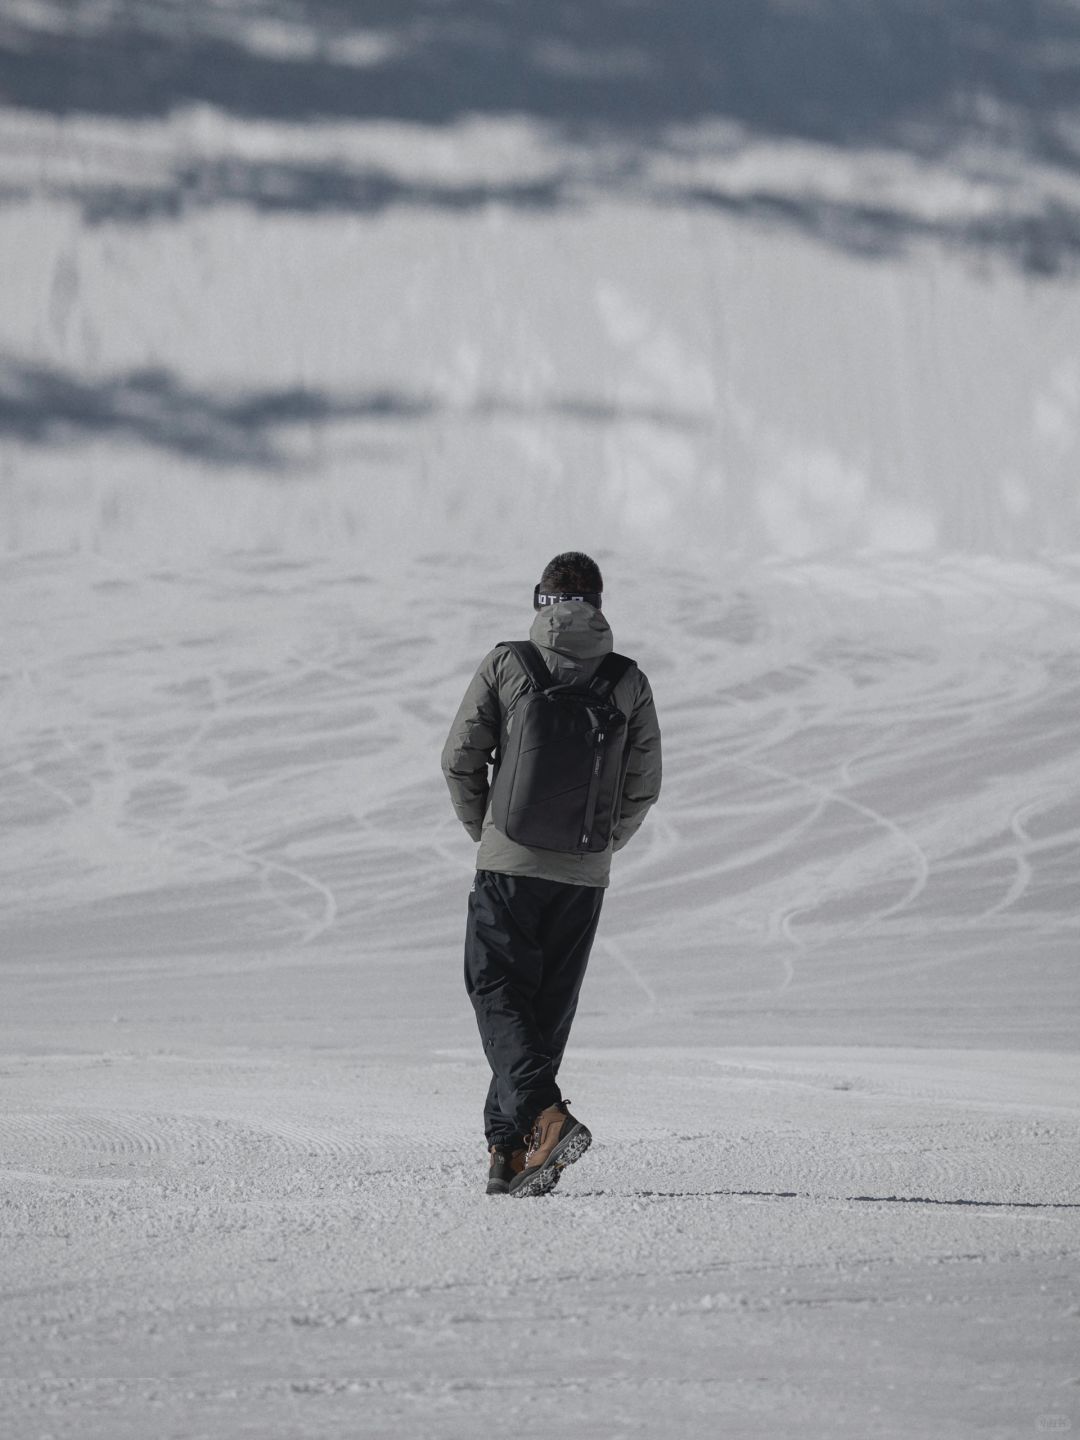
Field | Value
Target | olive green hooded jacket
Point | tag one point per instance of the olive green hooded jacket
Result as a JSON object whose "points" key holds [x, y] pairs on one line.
{"points": [[574, 638]]}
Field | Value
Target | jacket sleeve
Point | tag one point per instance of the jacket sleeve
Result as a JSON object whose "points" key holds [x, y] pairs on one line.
{"points": [[470, 747], [644, 768]]}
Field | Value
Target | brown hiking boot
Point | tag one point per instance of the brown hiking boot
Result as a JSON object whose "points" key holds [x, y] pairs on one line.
{"points": [[557, 1140], [506, 1162]]}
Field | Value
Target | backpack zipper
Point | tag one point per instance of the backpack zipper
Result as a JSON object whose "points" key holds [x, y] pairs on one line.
{"points": [[594, 791]]}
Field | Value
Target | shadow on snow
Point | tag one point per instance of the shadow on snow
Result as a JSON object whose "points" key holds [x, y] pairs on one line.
{"points": [[846, 72], [1044, 243], [39, 405], [921, 76]]}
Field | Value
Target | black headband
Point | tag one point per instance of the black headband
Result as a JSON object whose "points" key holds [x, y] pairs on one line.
{"points": [[548, 597]]}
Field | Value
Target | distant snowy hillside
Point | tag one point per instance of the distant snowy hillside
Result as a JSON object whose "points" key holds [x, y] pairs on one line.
{"points": [[770, 278]]}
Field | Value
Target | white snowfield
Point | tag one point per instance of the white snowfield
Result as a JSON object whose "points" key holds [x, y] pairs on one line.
{"points": [[298, 393], [826, 1044]]}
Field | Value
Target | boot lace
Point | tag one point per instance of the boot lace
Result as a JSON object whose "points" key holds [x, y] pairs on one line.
{"points": [[532, 1140]]}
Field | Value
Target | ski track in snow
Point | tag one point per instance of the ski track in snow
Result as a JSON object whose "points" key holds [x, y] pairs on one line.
{"points": [[833, 1114]]}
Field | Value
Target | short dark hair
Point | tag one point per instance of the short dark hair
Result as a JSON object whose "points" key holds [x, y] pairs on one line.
{"points": [[572, 571]]}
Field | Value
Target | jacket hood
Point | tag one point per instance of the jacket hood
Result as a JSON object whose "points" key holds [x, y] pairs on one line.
{"points": [[572, 629]]}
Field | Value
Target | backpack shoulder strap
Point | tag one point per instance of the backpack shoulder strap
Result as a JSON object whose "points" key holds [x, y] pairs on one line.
{"points": [[532, 662], [612, 669]]}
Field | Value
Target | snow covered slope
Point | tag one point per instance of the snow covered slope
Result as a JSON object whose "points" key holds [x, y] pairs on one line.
{"points": [[827, 1041], [775, 278], [323, 326]]}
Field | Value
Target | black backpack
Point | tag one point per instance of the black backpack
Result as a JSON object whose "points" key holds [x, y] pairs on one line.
{"points": [[559, 779]]}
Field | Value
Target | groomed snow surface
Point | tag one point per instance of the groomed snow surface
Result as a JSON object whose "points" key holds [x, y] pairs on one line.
{"points": [[826, 1044], [323, 327]]}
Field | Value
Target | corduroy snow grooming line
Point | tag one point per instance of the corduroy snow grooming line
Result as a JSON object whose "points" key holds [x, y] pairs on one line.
{"points": [[560, 776]]}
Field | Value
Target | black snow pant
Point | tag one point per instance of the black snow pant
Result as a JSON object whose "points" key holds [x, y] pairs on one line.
{"points": [[527, 944]]}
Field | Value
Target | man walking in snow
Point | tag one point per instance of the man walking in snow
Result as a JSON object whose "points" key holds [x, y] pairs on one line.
{"points": [[533, 909]]}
